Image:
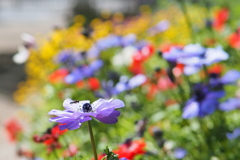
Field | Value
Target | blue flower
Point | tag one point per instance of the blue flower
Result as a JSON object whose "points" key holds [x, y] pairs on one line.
{"points": [[191, 50], [209, 57], [179, 153], [203, 102], [124, 84], [128, 84], [234, 135], [82, 72], [230, 104], [205, 99]]}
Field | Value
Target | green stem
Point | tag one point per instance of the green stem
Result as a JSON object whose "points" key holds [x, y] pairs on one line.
{"points": [[92, 140], [182, 3], [55, 154]]}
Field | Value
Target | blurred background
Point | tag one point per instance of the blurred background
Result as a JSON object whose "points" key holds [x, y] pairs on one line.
{"points": [[38, 18]]}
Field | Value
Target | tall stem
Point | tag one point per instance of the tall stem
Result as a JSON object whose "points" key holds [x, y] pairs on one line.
{"points": [[55, 154], [182, 3], [92, 140]]}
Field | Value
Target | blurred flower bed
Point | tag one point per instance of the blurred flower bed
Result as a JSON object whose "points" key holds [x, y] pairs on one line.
{"points": [[173, 74]]}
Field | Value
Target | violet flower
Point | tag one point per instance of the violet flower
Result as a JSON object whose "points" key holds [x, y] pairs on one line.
{"points": [[211, 56], [83, 72], [205, 99], [161, 26], [203, 102], [128, 84], [179, 153], [235, 134], [108, 90], [190, 50], [230, 104], [128, 40], [124, 84], [77, 112]]}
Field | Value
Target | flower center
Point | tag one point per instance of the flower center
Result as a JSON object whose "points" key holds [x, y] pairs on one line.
{"points": [[87, 107]]}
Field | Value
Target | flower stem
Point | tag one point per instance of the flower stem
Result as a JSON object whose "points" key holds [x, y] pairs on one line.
{"points": [[92, 140], [55, 154], [182, 4]]}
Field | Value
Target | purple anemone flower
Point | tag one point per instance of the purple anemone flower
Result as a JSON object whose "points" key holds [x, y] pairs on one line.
{"points": [[203, 102], [108, 42], [159, 27], [209, 57], [83, 72], [124, 84], [68, 57], [205, 99], [235, 134], [77, 112], [179, 153], [230, 104], [190, 50], [128, 40], [108, 90], [128, 84]]}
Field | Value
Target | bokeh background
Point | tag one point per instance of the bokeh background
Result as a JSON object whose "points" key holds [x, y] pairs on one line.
{"points": [[39, 17]]}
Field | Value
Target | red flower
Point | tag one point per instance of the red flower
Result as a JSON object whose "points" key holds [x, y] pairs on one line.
{"points": [[90, 83], [216, 69], [139, 58], [93, 83], [131, 149], [14, 129], [50, 138], [234, 39], [220, 19], [58, 75], [159, 82]]}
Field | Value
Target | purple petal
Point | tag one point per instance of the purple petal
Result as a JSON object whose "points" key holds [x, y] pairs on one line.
{"points": [[207, 107], [216, 94], [111, 119], [230, 104], [180, 153], [230, 77], [71, 125], [108, 120], [191, 110], [137, 81], [59, 113]]}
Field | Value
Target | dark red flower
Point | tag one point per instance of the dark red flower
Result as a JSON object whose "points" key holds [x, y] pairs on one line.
{"points": [[50, 138], [26, 153], [220, 18], [13, 128]]}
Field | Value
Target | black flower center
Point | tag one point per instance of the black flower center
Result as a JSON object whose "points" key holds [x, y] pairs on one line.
{"points": [[87, 107]]}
